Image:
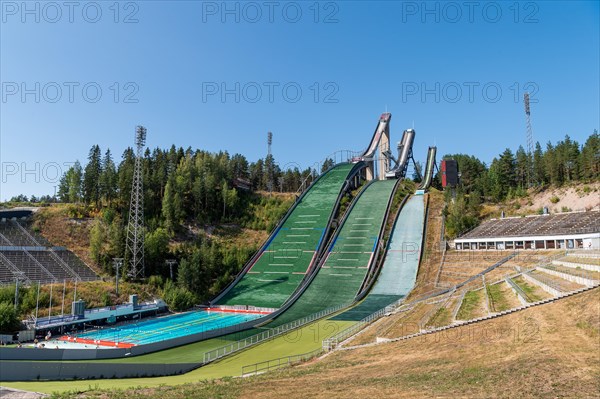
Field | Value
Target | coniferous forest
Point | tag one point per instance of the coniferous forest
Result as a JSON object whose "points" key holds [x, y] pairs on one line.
{"points": [[187, 188]]}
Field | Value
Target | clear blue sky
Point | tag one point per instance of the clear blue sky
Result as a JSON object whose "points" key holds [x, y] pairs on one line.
{"points": [[365, 56]]}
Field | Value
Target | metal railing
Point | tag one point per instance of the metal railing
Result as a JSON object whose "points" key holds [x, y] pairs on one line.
{"points": [[331, 342], [575, 272], [64, 264], [547, 281], [272, 364], [42, 267], [519, 290], [442, 303], [237, 346], [337, 157]]}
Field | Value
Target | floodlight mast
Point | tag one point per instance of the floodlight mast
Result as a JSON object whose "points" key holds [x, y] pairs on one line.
{"points": [[529, 138], [135, 227]]}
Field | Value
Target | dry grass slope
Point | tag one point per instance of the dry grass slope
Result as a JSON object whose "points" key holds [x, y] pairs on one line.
{"points": [[546, 351]]}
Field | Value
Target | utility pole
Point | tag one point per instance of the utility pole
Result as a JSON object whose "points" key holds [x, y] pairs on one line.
{"points": [[18, 276], [118, 263]]}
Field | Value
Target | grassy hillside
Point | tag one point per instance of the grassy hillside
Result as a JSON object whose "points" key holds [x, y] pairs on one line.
{"points": [[69, 225]]}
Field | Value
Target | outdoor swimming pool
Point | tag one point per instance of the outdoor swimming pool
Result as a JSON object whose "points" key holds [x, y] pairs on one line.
{"points": [[167, 327]]}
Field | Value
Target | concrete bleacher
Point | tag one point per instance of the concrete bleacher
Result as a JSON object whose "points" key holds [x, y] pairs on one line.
{"points": [[77, 264], [25, 254], [576, 230], [28, 265], [6, 273], [539, 225], [13, 235]]}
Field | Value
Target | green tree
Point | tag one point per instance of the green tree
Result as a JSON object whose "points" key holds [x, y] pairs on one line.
{"points": [[552, 165], [230, 198], [589, 159], [97, 241], [257, 175], [521, 168], [539, 171], [168, 207], [69, 189], [460, 217], [157, 249], [9, 320], [108, 178], [327, 164], [472, 171], [91, 177], [125, 176]]}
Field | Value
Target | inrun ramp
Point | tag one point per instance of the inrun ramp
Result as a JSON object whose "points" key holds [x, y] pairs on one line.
{"points": [[341, 276], [429, 167], [290, 251], [401, 263]]}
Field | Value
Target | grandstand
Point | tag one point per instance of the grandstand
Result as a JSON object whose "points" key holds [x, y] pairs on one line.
{"points": [[28, 256], [560, 231]]}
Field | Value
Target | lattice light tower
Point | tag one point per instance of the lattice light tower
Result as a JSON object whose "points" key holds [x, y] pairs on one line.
{"points": [[135, 227], [269, 170], [529, 137]]}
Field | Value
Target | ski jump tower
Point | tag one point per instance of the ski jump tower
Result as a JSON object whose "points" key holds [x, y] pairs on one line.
{"points": [[377, 154]]}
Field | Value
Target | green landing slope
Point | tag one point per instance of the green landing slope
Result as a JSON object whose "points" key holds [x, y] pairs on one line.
{"points": [[341, 276], [283, 264], [400, 265]]}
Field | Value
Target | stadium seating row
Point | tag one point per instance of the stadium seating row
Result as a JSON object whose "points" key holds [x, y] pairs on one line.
{"points": [[543, 225]]}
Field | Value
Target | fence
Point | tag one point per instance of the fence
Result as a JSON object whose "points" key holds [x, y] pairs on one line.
{"points": [[226, 350], [286, 361], [332, 342], [316, 168]]}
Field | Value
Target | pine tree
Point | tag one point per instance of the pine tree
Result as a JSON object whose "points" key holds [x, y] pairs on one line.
{"points": [[91, 177], [168, 207], [108, 179], [125, 175], [327, 164], [521, 168], [69, 189], [589, 159], [539, 172]]}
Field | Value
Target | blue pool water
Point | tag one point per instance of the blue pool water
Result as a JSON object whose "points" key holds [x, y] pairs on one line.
{"points": [[168, 327]]}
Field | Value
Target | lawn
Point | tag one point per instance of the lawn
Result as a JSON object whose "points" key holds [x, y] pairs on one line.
{"points": [[295, 342], [470, 305]]}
